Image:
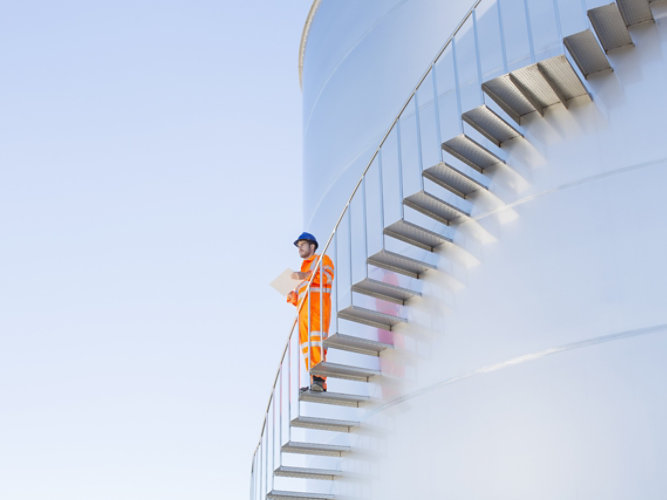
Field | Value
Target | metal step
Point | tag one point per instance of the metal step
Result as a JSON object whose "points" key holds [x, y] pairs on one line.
{"points": [[355, 344], [333, 398], [305, 473], [635, 11], [562, 78], [587, 53], [295, 495], [329, 450], [415, 235], [399, 263], [383, 290], [324, 424], [490, 124], [507, 96], [610, 27], [337, 370], [369, 317], [468, 151], [452, 179], [434, 207]]}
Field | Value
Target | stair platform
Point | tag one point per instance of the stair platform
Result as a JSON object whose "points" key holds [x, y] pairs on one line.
{"points": [[490, 124], [587, 53], [610, 27], [635, 12], [471, 152], [452, 179], [328, 450], [434, 207], [382, 290], [324, 424], [337, 370], [399, 263], [306, 473], [369, 317], [334, 398], [294, 495]]}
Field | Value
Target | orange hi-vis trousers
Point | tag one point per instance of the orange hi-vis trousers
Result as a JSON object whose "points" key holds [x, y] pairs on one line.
{"points": [[315, 313]]}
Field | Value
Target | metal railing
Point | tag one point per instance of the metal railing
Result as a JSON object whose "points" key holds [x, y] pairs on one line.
{"points": [[493, 38]]}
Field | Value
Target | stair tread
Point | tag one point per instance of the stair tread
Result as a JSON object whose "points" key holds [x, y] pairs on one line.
{"points": [[338, 370], [587, 53], [324, 423], [334, 450], [416, 235], [562, 77], [635, 11], [393, 261], [490, 124], [384, 290], [369, 317], [471, 152], [355, 344], [452, 179], [295, 495], [434, 207], [610, 26], [305, 472], [333, 398], [508, 97]]}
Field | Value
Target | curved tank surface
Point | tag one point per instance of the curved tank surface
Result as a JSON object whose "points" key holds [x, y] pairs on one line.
{"points": [[499, 323]]}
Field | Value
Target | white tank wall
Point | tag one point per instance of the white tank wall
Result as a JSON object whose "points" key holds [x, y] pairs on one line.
{"points": [[362, 60], [513, 385]]}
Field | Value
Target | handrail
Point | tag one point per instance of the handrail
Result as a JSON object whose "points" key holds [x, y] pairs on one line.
{"points": [[354, 192]]}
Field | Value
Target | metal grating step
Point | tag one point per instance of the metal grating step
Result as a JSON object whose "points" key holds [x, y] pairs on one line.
{"points": [[305, 473], [399, 263], [383, 290], [324, 424], [355, 344], [415, 235], [563, 79], [490, 124], [333, 398], [586, 52], [452, 179], [329, 450], [610, 27], [295, 495], [635, 11], [434, 207], [471, 152], [337, 370], [369, 317], [507, 96]]}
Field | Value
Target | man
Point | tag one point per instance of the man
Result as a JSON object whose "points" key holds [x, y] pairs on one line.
{"points": [[315, 306]]}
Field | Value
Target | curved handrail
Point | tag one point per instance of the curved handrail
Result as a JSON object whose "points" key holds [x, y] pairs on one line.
{"points": [[349, 201]]}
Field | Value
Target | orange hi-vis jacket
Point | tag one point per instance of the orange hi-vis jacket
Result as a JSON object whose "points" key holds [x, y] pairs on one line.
{"points": [[318, 314]]}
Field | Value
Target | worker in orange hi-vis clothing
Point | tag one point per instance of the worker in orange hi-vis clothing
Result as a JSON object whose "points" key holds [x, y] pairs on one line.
{"points": [[319, 310]]}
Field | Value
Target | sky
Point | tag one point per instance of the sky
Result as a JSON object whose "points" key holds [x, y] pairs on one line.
{"points": [[150, 189]]}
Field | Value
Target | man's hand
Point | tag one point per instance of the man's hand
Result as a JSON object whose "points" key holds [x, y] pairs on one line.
{"points": [[296, 275], [292, 297]]}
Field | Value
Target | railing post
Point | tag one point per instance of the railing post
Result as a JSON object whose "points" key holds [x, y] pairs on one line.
{"points": [[531, 43], [381, 195], [365, 221], [501, 29], [457, 85], [436, 107], [400, 168], [420, 156], [335, 242], [477, 56], [559, 28]]}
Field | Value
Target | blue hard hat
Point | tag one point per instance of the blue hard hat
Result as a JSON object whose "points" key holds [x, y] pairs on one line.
{"points": [[306, 237]]}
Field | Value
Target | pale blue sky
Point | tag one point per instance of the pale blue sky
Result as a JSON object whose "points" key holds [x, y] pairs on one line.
{"points": [[150, 188]]}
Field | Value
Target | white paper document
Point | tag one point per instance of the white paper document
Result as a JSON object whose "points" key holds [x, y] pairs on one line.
{"points": [[284, 283]]}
